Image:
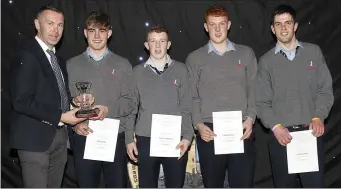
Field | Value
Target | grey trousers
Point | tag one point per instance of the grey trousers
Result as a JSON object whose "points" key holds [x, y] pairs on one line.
{"points": [[45, 169]]}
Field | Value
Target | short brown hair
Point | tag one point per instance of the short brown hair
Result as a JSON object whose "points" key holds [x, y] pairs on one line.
{"points": [[157, 29], [49, 7], [98, 19], [216, 11], [282, 9]]}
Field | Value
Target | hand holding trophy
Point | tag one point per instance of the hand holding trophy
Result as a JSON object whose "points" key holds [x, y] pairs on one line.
{"points": [[85, 100]]}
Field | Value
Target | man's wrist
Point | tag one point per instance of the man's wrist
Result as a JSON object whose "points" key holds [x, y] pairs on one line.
{"points": [[315, 118], [250, 118], [277, 125], [62, 118], [198, 125]]}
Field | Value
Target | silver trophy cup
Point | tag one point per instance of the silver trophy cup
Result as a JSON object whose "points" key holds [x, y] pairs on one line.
{"points": [[84, 97]]}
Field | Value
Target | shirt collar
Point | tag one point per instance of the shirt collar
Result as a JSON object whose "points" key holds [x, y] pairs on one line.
{"points": [[279, 47], [88, 52], [230, 47], [44, 46], [151, 63]]}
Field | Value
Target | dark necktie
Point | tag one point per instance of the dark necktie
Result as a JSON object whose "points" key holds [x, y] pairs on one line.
{"points": [[285, 55], [61, 85], [159, 72]]}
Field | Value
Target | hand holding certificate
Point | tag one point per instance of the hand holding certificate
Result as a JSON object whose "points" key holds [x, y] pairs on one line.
{"points": [[302, 152], [228, 127], [165, 135], [100, 145]]}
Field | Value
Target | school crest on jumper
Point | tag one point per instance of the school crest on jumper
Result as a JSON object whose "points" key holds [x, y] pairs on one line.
{"points": [[175, 82], [311, 66], [240, 64], [113, 73]]}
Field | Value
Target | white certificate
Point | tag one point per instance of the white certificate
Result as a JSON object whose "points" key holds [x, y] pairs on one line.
{"points": [[228, 127], [302, 153], [101, 144], [165, 135]]}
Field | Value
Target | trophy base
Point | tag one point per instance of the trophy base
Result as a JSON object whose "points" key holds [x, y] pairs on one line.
{"points": [[87, 113]]}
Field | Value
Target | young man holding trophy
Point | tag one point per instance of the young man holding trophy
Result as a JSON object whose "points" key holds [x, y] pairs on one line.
{"points": [[103, 76], [163, 126]]}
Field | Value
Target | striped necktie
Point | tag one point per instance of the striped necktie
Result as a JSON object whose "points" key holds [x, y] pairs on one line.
{"points": [[61, 85], [159, 72], [285, 55]]}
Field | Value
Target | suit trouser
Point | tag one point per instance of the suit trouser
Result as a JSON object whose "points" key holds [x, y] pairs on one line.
{"points": [[88, 172], [45, 169], [149, 167], [279, 165], [213, 167]]}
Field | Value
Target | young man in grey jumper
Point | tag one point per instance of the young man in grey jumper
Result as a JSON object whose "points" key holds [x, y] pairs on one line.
{"points": [[109, 75], [294, 93], [222, 78], [160, 86]]}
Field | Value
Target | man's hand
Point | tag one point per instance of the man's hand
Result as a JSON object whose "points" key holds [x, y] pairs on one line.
{"points": [[103, 112], [282, 135], [205, 132], [317, 126], [247, 125], [82, 129], [183, 145], [70, 118], [132, 151]]}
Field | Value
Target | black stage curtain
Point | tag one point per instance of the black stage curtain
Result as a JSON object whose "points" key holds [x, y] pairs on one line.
{"points": [[319, 22]]}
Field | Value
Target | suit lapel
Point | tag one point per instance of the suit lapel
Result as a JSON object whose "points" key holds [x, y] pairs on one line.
{"points": [[44, 62]]}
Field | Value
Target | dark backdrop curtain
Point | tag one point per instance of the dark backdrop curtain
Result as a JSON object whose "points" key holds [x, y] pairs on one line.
{"points": [[319, 22]]}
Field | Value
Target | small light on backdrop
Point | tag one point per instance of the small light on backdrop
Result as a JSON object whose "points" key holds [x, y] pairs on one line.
{"points": [[140, 58], [146, 24], [180, 31], [10, 2]]}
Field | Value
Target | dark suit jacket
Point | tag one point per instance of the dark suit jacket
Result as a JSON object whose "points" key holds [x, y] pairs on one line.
{"points": [[35, 98]]}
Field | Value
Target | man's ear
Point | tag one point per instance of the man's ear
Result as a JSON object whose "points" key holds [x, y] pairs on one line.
{"points": [[229, 23], [295, 26], [146, 45], [169, 43], [109, 33], [36, 24], [273, 29], [85, 33], [205, 26]]}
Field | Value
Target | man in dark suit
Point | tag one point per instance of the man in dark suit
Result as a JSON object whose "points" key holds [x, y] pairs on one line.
{"points": [[41, 104]]}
